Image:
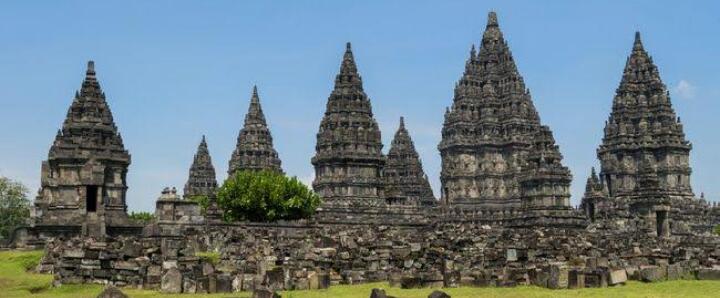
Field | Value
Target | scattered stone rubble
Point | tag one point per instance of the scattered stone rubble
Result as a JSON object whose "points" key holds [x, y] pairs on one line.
{"points": [[299, 256]]}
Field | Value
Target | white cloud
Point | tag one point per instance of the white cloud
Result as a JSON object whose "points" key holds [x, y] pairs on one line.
{"points": [[685, 90]]}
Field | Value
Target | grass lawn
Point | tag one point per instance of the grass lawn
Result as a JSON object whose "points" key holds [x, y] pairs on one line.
{"points": [[15, 281]]}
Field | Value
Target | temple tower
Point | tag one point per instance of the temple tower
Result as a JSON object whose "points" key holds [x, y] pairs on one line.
{"points": [[595, 203], [83, 181], [489, 130], [348, 159], [201, 180], [254, 150], [643, 127], [405, 180]]}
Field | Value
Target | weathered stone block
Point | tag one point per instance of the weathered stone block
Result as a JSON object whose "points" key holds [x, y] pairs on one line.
{"points": [[438, 294], [652, 273], [378, 293], [708, 274], [511, 255], [224, 283], [558, 278], [112, 292], [576, 279], [616, 277], [171, 282], [411, 282], [265, 293], [189, 285]]}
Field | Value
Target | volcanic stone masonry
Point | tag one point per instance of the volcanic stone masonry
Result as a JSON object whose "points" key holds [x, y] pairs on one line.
{"points": [[349, 159], [201, 180], [83, 182], [644, 156], [405, 180], [489, 131], [254, 150], [504, 218]]}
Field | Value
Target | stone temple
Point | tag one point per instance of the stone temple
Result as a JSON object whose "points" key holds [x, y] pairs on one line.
{"points": [[644, 155], [201, 180], [405, 180], [83, 181], [504, 217], [254, 150], [492, 135], [349, 160]]}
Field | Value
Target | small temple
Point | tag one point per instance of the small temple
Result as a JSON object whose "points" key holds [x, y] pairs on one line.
{"points": [[254, 150], [84, 180]]}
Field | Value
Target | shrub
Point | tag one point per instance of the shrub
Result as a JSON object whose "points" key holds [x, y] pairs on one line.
{"points": [[265, 196], [717, 230], [141, 217], [203, 202], [211, 257]]}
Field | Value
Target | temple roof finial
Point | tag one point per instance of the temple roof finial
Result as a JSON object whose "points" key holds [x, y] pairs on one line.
{"points": [[637, 44], [255, 98], [492, 19], [402, 122]]}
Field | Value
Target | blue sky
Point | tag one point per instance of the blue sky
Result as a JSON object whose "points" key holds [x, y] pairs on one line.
{"points": [[175, 70]]}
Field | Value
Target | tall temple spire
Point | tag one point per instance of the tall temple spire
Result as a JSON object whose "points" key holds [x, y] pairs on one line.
{"points": [[90, 146], [254, 150], [348, 158], [490, 128], [643, 125], [405, 180], [201, 180]]}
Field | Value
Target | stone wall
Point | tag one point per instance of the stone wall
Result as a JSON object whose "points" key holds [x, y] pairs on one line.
{"points": [[309, 256]]}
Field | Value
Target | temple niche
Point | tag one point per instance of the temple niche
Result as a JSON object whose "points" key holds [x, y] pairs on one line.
{"points": [[348, 157], [83, 181]]}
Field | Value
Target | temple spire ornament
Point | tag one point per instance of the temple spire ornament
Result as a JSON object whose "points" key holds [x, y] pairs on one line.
{"points": [[254, 150], [405, 180], [348, 161]]}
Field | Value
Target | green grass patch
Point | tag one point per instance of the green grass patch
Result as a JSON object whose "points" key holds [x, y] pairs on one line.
{"points": [[211, 257], [16, 281]]}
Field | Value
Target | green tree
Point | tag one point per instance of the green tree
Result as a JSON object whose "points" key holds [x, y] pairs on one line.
{"points": [[717, 230], [265, 196], [203, 202], [142, 217], [14, 206]]}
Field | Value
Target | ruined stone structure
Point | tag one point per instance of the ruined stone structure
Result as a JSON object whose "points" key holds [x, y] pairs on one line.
{"points": [[643, 127], [348, 160], [254, 150], [506, 218], [83, 181], [644, 155], [490, 130], [405, 180], [201, 180]]}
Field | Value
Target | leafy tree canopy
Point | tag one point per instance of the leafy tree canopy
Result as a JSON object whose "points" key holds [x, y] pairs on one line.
{"points": [[14, 206], [265, 196], [141, 217]]}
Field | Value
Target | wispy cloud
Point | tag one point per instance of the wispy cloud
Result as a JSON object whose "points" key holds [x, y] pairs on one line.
{"points": [[685, 89]]}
